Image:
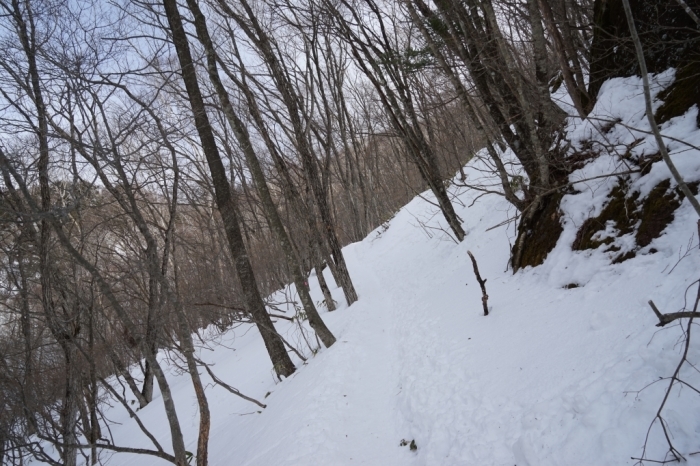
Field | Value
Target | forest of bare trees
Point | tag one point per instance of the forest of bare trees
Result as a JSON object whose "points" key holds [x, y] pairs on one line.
{"points": [[167, 165]]}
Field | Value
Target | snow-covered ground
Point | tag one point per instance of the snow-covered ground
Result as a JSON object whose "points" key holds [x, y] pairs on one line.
{"points": [[553, 376]]}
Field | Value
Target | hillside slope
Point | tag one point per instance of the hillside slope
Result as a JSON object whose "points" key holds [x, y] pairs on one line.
{"points": [[551, 377]]}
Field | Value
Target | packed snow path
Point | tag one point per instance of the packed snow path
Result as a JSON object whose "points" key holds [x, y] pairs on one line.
{"points": [[341, 407]]}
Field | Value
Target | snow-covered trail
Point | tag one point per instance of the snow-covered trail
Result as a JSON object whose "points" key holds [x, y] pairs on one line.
{"points": [[397, 371], [545, 379], [554, 376], [423, 309], [341, 407]]}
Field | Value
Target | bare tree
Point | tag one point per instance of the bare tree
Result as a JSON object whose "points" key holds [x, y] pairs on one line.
{"points": [[265, 47], [281, 362], [241, 132]]}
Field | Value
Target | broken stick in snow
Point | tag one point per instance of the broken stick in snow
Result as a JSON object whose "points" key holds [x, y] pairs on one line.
{"points": [[484, 297]]}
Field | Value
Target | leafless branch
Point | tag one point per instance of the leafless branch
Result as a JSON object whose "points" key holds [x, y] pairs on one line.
{"points": [[482, 283], [235, 391]]}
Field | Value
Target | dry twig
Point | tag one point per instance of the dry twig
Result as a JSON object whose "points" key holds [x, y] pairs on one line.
{"points": [[482, 283], [231, 389]]}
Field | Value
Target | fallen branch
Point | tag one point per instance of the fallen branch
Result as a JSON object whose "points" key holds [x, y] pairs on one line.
{"points": [[231, 389], [665, 319], [675, 378], [482, 283]]}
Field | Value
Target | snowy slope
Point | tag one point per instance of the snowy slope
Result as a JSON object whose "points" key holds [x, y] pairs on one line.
{"points": [[551, 377]]}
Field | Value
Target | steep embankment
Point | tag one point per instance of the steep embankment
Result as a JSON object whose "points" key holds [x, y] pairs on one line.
{"points": [[558, 374]]}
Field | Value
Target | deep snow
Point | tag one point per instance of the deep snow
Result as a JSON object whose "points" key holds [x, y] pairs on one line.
{"points": [[551, 377]]}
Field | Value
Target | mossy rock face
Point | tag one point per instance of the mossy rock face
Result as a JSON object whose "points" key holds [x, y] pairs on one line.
{"points": [[668, 34], [617, 211], [543, 232], [682, 94], [657, 212], [646, 219]]}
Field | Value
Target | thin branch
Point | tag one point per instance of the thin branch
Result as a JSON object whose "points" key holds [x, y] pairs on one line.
{"points": [[132, 414], [690, 12], [482, 283], [643, 131], [231, 389]]}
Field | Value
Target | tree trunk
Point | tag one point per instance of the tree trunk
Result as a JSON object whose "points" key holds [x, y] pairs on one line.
{"points": [[95, 432], [28, 346], [122, 371], [327, 296], [308, 159], [69, 410], [147, 388], [152, 328], [187, 347], [576, 90], [271, 213], [62, 336], [275, 347]]}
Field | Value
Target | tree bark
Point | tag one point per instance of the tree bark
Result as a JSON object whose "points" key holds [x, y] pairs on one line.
{"points": [[59, 332]]}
